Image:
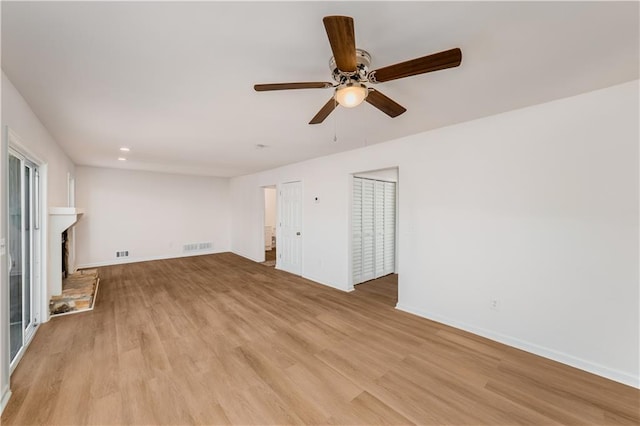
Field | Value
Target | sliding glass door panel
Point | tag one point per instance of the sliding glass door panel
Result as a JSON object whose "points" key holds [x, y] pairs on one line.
{"points": [[22, 253], [16, 276], [28, 246]]}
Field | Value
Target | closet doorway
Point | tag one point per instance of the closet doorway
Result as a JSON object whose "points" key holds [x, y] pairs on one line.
{"points": [[374, 225]]}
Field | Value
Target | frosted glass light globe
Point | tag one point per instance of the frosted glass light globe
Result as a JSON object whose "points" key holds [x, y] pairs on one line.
{"points": [[351, 95]]}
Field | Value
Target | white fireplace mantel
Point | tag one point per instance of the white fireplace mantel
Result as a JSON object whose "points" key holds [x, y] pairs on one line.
{"points": [[60, 219]]}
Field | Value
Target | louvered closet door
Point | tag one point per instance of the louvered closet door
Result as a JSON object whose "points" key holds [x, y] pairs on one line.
{"points": [[389, 228], [356, 227], [368, 230], [373, 229], [379, 221]]}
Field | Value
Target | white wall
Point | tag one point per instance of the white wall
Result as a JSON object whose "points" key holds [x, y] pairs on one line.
{"points": [[537, 208], [152, 215], [40, 145], [17, 114]]}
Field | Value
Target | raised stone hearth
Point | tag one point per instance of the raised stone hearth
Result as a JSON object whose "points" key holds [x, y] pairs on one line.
{"points": [[78, 293]]}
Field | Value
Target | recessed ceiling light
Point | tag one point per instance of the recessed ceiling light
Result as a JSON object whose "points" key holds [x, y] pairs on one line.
{"points": [[122, 159], [125, 149]]}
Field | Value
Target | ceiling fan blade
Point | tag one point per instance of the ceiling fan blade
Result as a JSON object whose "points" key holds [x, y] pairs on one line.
{"points": [[324, 111], [384, 104], [437, 61], [288, 86], [342, 39]]}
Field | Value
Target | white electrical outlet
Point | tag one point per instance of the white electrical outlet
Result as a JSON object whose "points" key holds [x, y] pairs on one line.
{"points": [[494, 304]]}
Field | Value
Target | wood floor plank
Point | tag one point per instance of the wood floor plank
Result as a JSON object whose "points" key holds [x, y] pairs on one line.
{"points": [[525, 399], [105, 410], [420, 405], [366, 409], [218, 339], [299, 403], [328, 387]]}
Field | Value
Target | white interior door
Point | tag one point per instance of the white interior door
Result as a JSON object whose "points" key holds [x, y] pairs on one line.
{"points": [[290, 221]]}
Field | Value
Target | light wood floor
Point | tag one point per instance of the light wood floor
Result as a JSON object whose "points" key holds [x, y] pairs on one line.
{"points": [[220, 339]]}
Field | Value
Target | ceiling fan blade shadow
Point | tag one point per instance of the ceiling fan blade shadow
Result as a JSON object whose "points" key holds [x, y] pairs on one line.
{"points": [[437, 61], [324, 111], [384, 103], [289, 86], [342, 39]]}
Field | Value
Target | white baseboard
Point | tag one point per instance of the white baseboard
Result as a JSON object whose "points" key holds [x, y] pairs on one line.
{"points": [[6, 394], [146, 259], [591, 367]]}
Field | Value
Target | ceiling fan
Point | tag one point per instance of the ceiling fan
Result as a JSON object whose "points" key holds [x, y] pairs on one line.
{"points": [[350, 72]]}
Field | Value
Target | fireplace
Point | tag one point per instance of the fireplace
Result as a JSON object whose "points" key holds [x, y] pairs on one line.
{"points": [[60, 220]]}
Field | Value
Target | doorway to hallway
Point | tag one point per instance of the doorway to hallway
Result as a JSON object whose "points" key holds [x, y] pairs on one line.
{"points": [[270, 222]]}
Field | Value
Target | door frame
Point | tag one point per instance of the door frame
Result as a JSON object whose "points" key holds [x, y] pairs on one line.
{"points": [[40, 306]]}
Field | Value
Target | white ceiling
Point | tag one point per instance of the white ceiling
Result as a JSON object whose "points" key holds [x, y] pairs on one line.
{"points": [[174, 81]]}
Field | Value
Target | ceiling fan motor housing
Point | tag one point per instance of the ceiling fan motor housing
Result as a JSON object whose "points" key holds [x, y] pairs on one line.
{"points": [[363, 60]]}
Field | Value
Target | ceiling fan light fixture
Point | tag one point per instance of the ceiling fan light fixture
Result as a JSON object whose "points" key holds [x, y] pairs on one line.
{"points": [[349, 68], [351, 94]]}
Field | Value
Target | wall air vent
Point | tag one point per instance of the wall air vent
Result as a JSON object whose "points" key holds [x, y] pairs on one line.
{"points": [[123, 253], [190, 247], [194, 247]]}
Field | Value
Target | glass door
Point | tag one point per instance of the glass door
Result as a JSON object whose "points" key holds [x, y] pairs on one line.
{"points": [[23, 195], [30, 173]]}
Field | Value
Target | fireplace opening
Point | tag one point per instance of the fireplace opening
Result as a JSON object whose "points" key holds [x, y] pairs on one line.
{"points": [[65, 254], [78, 288]]}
